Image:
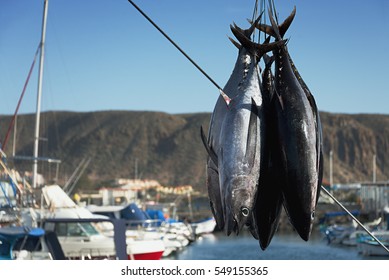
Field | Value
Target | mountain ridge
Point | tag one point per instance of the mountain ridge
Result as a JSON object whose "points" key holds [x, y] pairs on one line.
{"points": [[168, 148]]}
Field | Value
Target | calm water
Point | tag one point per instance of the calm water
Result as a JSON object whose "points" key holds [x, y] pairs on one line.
{"points": [[283, 247]]}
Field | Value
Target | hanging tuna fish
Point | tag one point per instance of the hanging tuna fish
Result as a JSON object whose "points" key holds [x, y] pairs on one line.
{"points": [[236, 140], [299, 136], [268, 205]]}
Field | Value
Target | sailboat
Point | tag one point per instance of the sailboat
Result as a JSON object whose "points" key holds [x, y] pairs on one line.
{"points": [[75, 227]]}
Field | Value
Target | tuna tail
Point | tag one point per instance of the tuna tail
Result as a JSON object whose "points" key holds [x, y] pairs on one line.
{"points": [[266, 58], [249, 32], [268, 81], [268, 61], [209, 149], [274, 25], [256, 49], [243, 36], [283, 27]]}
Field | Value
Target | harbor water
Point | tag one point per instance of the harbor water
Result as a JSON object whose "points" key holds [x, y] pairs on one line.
{"points": [[290, 246]]}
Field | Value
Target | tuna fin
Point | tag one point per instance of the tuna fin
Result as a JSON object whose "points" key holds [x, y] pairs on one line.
{"points": [[235, 43], [252, 135], [319, 144], [320, 174], [209, 150], [283, 27], [309, 96]]}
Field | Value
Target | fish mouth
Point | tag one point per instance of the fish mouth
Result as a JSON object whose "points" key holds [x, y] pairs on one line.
{"points": [[231, 225], [230, 222], [236, 222]]}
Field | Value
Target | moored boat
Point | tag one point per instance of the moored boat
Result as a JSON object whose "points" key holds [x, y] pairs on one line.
{"points": [[204, 226], [366, 245], [80, 238], [370, 247], [140, 226], [24, 243]]}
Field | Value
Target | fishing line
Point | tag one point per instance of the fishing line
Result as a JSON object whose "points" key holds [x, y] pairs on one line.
{"points": [[263, 19], [262, 10], [254, 17], [272, 7], [255, 12], [225, 96]]}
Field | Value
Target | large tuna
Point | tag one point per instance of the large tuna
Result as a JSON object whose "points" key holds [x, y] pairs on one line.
{"points": [[269, 196], [236, 138], [299, 139], [282, 28]]}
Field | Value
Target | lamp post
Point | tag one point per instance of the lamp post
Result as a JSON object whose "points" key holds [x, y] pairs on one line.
{"points": [[331, 167], [374, 168]]}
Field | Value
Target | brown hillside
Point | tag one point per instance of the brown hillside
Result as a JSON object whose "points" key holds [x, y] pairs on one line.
{"points": [[168, 147]]}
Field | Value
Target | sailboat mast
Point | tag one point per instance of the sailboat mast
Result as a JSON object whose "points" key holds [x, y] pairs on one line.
{"points": [[38, 101]]}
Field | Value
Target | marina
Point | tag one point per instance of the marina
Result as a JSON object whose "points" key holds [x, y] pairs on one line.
{"points": [[140, 219], [336, 238], [283, 247]]}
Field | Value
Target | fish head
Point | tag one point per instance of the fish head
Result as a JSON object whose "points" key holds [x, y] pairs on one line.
{"points": [[240, 203]]}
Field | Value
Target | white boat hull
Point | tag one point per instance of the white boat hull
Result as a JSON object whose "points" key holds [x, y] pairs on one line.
{"points": [[204, 227], [94, 247]]}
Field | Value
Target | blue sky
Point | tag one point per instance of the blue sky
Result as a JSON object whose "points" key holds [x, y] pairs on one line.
{"points": [[103, 55]]}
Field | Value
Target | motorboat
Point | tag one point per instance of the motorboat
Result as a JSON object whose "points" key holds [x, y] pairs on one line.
{"points": [[338, 234], [141, 226], [204, 226], [80, 238], [370, 247], [366, 245]]}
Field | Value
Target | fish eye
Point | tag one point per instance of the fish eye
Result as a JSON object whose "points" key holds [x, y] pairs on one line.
{"points": [[245, 211], [312, 215]]}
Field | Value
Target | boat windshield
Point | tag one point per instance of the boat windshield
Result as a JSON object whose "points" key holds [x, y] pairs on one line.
{"points": [[76, 229]]}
